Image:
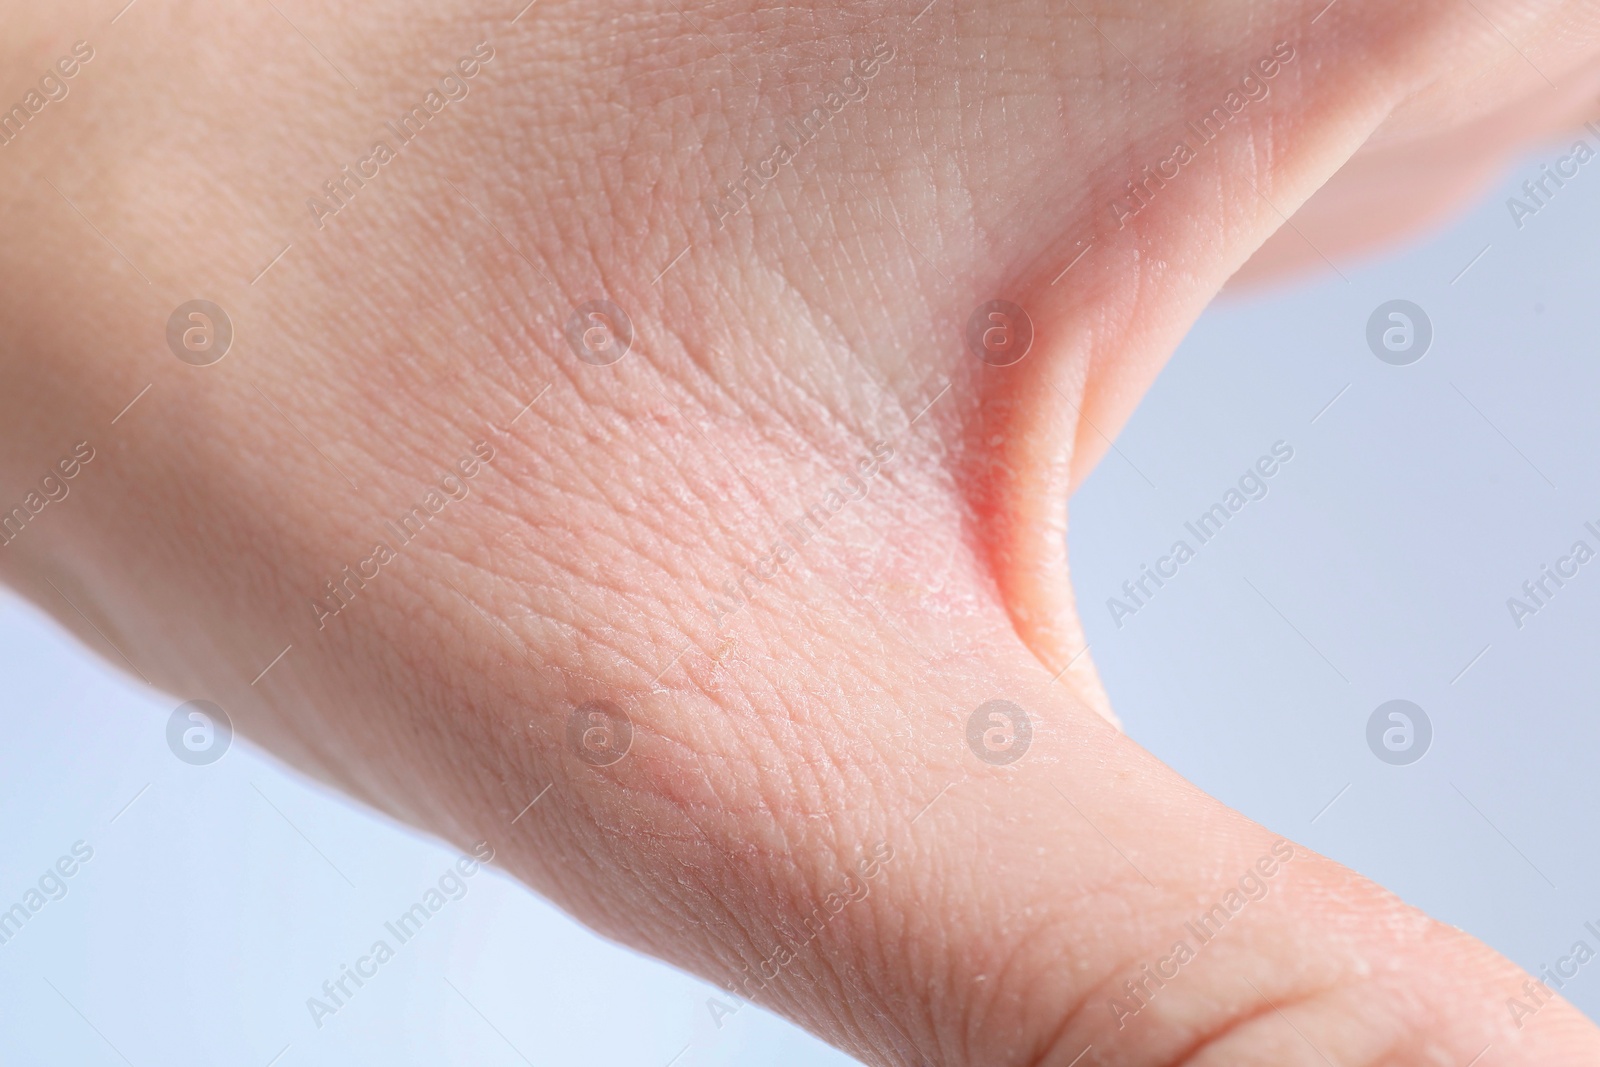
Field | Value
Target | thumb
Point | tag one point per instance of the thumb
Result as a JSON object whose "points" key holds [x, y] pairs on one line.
{"points": [[1236, 138]]}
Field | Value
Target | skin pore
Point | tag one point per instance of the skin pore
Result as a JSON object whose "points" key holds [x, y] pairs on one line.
{"points": [[821, 722]]}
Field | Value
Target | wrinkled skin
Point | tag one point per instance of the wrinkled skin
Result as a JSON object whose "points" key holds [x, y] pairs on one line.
{"points": [[774, 746]]}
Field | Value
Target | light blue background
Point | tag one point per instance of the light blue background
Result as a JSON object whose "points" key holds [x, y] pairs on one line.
{"points": [[1384, 554]]}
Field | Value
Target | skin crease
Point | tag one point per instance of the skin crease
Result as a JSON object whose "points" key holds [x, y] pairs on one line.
{"points": [[774, 747]]}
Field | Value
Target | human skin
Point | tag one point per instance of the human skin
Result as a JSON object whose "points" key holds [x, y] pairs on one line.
{"points": [[775, 745]]}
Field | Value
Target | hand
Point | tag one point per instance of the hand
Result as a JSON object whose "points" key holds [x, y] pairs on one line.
{"points": [[741, 598]]}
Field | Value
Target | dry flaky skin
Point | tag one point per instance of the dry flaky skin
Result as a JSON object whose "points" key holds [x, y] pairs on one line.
{"points": [[779, 743]]}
